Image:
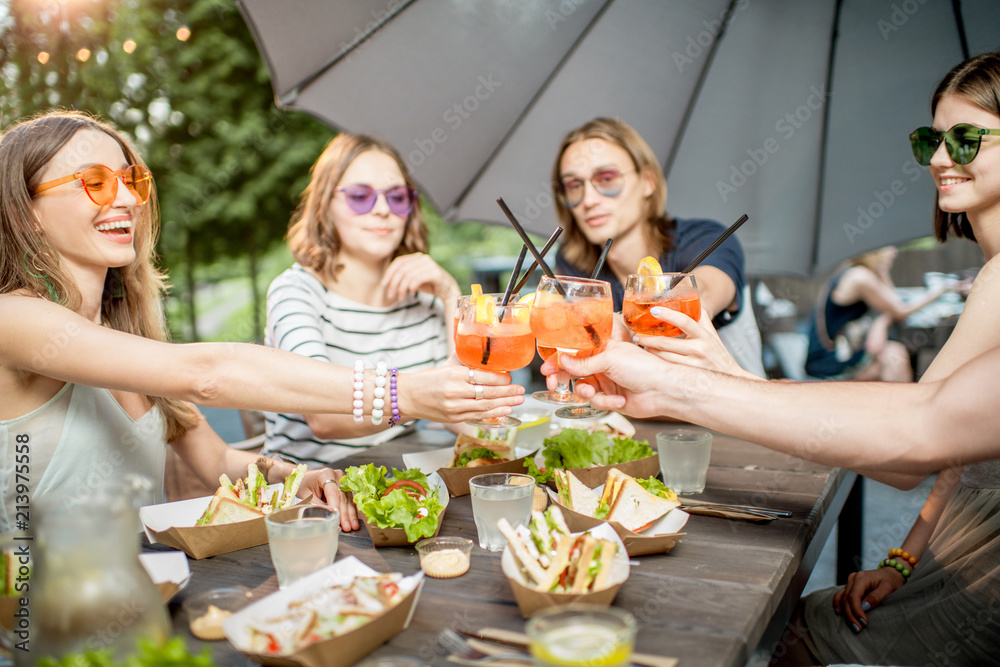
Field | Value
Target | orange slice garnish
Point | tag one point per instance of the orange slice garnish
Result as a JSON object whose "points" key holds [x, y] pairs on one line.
{"points": [[477, 292], [486, 309], [527, 298], [649, 266]]}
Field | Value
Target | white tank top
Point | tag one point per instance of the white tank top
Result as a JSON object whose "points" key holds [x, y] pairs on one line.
{"points": [[77, 441]]}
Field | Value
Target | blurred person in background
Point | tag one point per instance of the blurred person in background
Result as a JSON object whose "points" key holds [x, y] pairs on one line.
{"points": [[849, 332]]}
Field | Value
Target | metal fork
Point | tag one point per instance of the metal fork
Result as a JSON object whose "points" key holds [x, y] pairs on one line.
{"points": [[460, 648]]}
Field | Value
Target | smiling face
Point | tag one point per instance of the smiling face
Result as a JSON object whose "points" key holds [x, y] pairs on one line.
{"points": [[598, 216], [375, 235], [89, 238], [975, 187]]}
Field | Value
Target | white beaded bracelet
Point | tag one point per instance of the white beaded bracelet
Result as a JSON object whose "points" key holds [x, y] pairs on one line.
{"points": [[381, 369], [359, 391]]}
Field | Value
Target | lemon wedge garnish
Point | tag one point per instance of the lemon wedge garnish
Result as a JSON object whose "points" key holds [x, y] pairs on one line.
{"points": [[648, 266], [527, 298], [477, 292]]}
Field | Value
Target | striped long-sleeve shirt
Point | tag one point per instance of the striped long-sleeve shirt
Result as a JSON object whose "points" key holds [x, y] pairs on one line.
{"points": [[306, 318]]}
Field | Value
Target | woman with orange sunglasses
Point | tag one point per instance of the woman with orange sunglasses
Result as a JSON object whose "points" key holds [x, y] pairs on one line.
{"points": [[89, 385]]}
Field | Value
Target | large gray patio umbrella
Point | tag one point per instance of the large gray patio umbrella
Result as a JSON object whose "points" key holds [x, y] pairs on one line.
{"points": [[793, 111]]}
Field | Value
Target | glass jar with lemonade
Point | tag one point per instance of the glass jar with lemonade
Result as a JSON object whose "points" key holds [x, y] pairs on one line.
{"points": [[581, 635]]}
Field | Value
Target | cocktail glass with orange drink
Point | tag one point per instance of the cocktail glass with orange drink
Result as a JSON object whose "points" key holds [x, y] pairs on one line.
{"points": [[649, 288], [494, 337], [477, 291], [572, 316]]}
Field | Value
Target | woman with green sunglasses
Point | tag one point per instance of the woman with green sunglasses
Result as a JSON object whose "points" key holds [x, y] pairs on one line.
{"points": [[948, 605]]}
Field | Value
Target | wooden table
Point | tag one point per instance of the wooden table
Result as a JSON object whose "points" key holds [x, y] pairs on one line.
{"points": [[725, 589]]}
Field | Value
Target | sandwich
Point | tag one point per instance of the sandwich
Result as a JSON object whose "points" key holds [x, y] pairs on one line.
{"points": [[250, 498], [327, 612], [634, 504], [471, 452], [577, 496], [553, 560]]}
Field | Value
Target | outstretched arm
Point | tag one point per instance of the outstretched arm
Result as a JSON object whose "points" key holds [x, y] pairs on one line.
{"points": [[915, 429], [43, 338]]}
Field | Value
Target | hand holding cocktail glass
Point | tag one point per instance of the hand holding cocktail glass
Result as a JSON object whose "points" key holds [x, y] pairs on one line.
{"points": [[573, 316], [494, 337]]}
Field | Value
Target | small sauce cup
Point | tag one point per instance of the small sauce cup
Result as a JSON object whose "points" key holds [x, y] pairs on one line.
{"points": [[444, 557]]}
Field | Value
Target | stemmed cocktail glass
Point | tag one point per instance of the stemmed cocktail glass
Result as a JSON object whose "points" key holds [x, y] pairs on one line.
{"points": [[573, 316], [493, 337], [676, 291]]}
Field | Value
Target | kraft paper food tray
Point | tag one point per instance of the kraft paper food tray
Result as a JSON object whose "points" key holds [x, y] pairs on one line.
{"points": [[169, 570], [173, 524], [339, 651], [659, 538], [593, 477], [396, 537], [457, 479], [530, 600]]}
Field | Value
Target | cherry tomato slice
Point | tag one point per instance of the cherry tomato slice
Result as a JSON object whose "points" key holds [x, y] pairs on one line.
{"points": [[413, 487]]}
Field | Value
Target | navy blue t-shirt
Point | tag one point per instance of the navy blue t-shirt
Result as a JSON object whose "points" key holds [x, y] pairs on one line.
{"points": [[690, 238]]}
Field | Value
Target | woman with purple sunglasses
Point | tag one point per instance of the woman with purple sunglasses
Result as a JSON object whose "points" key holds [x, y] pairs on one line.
{"points": [[363, 290]]}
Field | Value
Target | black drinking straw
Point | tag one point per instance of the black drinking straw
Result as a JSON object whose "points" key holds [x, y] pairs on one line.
{"points": [[600, 260], [513, 275], [708, 251], [534, 265], [530, 246]]}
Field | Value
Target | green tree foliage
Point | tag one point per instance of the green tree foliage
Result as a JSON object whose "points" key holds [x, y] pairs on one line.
{"points": [[185, 80]]}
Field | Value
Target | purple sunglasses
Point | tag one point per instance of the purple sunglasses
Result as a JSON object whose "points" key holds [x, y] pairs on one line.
{"points": [[361, 198]]}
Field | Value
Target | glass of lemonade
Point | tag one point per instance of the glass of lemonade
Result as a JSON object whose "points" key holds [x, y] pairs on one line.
{"points": [[581, 635], [496, 495], [302, 540]]}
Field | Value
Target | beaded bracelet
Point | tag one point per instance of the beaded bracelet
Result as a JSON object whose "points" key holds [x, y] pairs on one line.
{"points": [[359, 391], [901, 560], [395, 418], [381, 368]]}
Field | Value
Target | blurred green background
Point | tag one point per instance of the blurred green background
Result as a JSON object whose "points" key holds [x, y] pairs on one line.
{"points": [[184, 79]]}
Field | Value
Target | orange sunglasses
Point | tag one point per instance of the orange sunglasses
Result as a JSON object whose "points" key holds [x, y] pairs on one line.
{"points": [[101, 183]]}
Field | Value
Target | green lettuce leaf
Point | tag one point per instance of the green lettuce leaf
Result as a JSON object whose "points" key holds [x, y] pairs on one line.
{"points": [[397, 509], [473, 454], [656, 487]]}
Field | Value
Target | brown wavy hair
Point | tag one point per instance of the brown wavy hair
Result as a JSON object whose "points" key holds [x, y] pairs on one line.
{"points": [[978, 81], [658, 225], [133, 294], [312, 236]]}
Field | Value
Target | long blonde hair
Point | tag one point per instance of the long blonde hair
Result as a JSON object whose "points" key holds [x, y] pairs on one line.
{"points": [[312, 236], [657, 224], [132, 299]]}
